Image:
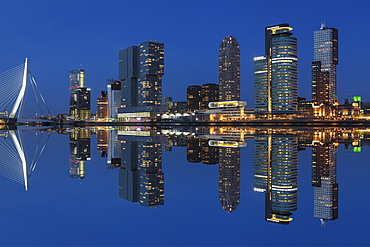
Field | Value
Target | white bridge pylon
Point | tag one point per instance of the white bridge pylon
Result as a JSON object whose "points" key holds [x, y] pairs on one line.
{"points": [[14, 85]]}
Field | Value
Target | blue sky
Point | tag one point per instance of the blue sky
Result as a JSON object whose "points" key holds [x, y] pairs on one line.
{"points": [[58, 36]]}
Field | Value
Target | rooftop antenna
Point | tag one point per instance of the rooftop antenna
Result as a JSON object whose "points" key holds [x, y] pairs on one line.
{"points": [[323, 25], [81, 66]]}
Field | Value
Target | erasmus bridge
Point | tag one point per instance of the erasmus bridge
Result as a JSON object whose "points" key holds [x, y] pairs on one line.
{"points": [[15, 85], [16, 162]]}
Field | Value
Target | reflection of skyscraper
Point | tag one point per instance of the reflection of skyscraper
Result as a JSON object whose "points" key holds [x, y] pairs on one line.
{"points": [[276, 174], [102, 145], [79, 106], [326, 52], [229, 69], [324, 181], [79, 142], [140, 176], [114, 150], [198, 151], [229, 178], [276, 73]]}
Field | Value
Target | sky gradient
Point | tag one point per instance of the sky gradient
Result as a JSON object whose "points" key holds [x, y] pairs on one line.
{"points": [[58, 36]]}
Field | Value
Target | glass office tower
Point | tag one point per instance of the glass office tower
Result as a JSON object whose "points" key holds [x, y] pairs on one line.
{"points": [[326, 52], [276, 73]]}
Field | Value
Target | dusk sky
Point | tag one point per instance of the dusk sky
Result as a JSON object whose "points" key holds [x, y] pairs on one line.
{"points": [[58, 36]]}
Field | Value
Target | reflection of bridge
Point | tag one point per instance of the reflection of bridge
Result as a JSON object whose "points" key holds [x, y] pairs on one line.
{"points": [[15, 163], [15, 84]]}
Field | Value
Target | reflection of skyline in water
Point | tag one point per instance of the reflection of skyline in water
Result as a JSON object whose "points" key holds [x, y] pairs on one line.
{"points": [[137, 154]]}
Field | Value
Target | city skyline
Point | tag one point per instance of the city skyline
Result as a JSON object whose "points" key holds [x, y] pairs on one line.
{"points": [[102, 64]]}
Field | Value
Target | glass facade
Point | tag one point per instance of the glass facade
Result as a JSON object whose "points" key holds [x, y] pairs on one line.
{"points": [[229, 69], [326, 51], [276, 174], [140, 70], [276, 73]]}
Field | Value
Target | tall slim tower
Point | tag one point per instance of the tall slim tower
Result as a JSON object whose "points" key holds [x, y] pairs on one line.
{"points": [[276, 73], [229, 69], [79, 106], [140, 70], [326, 52]]}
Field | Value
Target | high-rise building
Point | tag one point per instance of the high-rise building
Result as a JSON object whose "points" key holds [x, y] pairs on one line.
{"points": [[198, 97], [229, 69], [193, 95], [210, 93], [320, 84], [276, 73], [276, 174], [140, 70], [79, 106], [114, 97], [102, 106], [326, 52]]}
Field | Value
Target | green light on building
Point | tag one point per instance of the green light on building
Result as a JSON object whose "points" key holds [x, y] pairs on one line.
{"points": [[357, 149], [357, 98]]}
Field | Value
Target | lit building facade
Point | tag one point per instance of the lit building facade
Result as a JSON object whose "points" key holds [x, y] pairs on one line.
{"points": [[326, 52], [276, 73], [229, 69], [140, 70], [114, 97], [276, 174], [193, 96], [79, 106], [102, 105], [198, 97], [210, 93]]}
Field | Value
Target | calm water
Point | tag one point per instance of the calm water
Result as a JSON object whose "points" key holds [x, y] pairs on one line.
{"points": [[198, 186]]}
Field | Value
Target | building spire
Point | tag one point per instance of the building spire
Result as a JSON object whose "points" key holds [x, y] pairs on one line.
{"points": [[323, 25]]}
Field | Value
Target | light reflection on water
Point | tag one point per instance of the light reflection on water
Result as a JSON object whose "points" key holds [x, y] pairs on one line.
{"points": [[253, 172]]}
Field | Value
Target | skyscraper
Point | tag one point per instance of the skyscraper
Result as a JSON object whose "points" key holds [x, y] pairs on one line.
{"points": [[320, 84], [276, 73], [79, 106], [114, 97], [140, 70], [229, 69], [198, 97], [102, 105], [326, 52]]}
